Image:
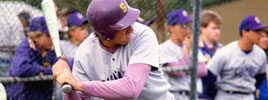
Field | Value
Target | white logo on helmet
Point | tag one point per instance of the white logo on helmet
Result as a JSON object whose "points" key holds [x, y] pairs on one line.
{"points": [[257, 20], [80, 16], [184, 13]]}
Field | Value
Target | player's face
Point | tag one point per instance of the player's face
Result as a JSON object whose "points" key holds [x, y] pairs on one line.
{"points": [[63, 21], [212, 31], [180, 31], [254, 36], [43, 42], [80, 33], [23, 22], [263, 43], [122, 37]]}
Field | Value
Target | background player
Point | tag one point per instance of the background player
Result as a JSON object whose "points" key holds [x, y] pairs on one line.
{"points": [[175, 52], [118, 61], [77, 33], [25, 18], [239, 62], [33, 56], [210, 32], [262, 92]]}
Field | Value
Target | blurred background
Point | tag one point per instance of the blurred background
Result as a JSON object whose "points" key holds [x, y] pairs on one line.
{"points": [[13, 28]]}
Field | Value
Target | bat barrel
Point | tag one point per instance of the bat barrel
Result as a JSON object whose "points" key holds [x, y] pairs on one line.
{"points": [[49, 11]]}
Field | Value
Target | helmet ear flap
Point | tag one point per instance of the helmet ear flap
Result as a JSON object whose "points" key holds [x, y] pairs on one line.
{"points": [[102, 34]]}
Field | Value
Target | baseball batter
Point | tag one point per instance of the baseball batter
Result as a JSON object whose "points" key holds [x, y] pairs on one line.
{"points": [[175, 52], [238, 63], [119, 60]]}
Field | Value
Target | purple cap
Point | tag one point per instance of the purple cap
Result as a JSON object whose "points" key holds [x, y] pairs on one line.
{"points": [[38, 24], [251, 23], [76, 19], [107, 16], [179, 16]]}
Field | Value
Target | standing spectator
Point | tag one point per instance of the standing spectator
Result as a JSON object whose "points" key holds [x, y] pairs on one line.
{"points": [[33, 56], [210, 33], [262, 92], [63, 28], [77, 33], [175, 52], [241, 65], [25, 18]]}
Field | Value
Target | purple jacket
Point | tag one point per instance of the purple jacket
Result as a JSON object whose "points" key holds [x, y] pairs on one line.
{"points": [[29, 62]]}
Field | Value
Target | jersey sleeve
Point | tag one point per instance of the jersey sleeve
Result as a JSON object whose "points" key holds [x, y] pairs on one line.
{"points": [[263, 66], [201, 58], [145, 49], [162, 55], [217, 63], [24, 63]]}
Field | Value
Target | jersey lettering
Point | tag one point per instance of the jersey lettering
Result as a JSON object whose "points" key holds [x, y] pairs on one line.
{"points": [[116, 75]]}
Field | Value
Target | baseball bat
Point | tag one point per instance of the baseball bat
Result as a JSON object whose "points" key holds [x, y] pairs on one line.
{"points": [[49, 12]]}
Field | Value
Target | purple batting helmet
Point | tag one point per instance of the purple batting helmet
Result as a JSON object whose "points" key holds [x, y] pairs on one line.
{"points": [[107, 16]]}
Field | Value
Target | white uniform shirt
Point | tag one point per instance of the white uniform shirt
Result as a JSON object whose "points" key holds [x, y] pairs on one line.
{"points": [[171, 52], [68, 49], [92, 62], [237, 69]]}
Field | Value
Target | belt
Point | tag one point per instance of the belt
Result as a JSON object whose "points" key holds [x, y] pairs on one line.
{"points": [[238, 92]]}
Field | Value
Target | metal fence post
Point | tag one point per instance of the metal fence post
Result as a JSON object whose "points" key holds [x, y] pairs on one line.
{"points": [[196, 30]]}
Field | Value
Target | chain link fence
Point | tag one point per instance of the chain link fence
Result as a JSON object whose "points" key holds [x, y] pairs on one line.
{"points": [[14, 28]]}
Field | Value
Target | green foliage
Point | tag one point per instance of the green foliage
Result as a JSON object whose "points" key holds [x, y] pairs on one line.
{"points": [[34, 3], [148, 8], [80, 5], [206, 3]]}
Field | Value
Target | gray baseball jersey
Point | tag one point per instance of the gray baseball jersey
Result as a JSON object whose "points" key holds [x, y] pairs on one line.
{"points": [[237, 69], [171, 52], [92, 62], [68, 49]]}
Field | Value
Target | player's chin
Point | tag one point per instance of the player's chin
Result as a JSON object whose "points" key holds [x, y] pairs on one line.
{"points": [[124, 42], [49, 47], [257, 40]]}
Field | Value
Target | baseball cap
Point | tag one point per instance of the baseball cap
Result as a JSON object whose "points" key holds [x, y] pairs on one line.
{"points": [[179, 16], [251, 22], [38, 24], [76, 19]]}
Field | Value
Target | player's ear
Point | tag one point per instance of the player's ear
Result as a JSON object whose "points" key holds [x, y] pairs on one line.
{"points": [[244, 32], [202, 29], [71, 31]]}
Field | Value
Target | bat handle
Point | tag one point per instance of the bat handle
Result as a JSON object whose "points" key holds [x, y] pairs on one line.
{"points": [[67, 88]]}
